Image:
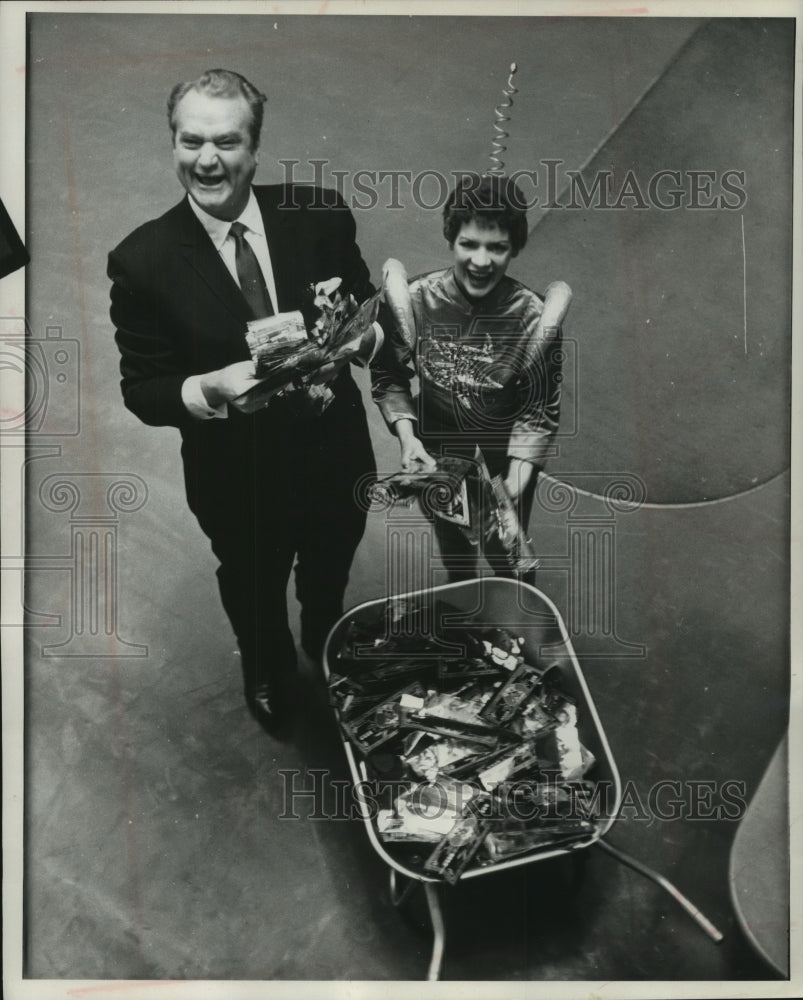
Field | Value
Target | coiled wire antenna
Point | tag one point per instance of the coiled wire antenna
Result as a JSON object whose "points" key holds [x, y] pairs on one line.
{"points": [[501, 109]]}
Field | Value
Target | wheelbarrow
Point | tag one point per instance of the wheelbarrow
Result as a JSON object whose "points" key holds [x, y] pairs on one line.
{"points": [[525, 611]]}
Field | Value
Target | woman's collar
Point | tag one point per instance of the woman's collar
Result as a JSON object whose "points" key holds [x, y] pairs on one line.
{"points": [[488, 301]]}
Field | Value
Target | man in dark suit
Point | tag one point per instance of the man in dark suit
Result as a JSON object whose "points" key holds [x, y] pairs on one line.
{"points": [[267, 487]]}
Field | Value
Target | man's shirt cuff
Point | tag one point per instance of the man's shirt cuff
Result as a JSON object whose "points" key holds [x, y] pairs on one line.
{"points": [[192, 395]]}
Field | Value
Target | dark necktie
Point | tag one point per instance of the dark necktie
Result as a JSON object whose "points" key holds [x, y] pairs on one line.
{"points": [[252, 283]]}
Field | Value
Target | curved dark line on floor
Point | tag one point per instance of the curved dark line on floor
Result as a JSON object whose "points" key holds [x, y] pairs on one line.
{"points": [[668, 505], [651, 505]]}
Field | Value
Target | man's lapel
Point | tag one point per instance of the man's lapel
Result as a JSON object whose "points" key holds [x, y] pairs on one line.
{"points": [[287, 253], [203, 258], [285, 248]]}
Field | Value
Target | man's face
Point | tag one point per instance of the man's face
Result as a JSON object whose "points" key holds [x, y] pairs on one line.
{"points": [[212, 152], [481, 257]]}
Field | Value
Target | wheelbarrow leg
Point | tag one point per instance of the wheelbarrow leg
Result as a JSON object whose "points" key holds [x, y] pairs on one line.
{"points": [[438, 930], [398, 897]]}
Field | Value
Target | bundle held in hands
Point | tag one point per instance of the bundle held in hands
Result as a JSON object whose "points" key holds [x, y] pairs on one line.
{"points": [[293, 361]]}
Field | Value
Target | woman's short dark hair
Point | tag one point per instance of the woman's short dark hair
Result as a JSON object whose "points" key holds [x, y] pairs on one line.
{"points": [[221, 83], [492, 198]]}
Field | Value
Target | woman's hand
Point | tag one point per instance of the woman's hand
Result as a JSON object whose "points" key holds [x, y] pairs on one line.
{"points": [[413, 453]]}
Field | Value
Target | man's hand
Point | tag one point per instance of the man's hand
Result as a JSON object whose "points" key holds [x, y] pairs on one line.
{"points": [[414, 456], [226, 384]]}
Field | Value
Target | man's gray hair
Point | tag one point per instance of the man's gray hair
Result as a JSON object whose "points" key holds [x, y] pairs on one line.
{"points": [[221, 83]]}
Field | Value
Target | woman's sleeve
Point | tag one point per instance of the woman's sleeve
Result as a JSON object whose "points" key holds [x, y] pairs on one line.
{"points": [[391, 374], [539, 394]]}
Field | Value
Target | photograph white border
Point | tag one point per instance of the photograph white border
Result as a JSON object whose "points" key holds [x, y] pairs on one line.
{"points": [[13, 72]]}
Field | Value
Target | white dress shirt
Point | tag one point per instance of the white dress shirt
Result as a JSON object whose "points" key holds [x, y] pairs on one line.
{"points": [[220, 233]]}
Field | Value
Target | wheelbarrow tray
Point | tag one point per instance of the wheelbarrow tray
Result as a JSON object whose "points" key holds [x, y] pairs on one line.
{"points": [[526, 612]]}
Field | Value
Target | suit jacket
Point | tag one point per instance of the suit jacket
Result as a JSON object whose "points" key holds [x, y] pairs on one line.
{"points": [[178, 312]]}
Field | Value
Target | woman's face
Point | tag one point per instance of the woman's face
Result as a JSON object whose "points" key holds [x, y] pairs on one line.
{"points": [[481, 257]]}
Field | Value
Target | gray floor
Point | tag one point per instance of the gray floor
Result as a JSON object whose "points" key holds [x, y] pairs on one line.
{"points": [[155, 846]]}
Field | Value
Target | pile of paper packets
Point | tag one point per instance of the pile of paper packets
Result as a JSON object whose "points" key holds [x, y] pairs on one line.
{"points": [[469, 741]]}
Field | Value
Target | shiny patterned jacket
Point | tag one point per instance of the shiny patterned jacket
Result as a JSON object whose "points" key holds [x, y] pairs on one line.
{"points": [[486, 376]]}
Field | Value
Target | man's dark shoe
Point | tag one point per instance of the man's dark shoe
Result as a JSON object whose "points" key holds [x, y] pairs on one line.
{"points": [[273, 710]]}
